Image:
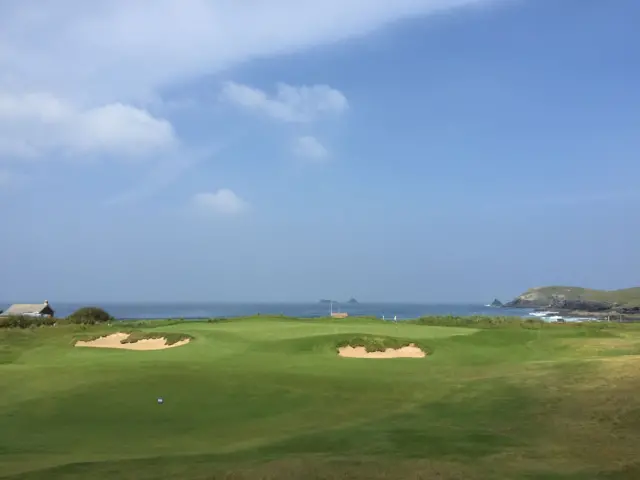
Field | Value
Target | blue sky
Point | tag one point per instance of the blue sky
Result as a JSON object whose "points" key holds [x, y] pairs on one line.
{"points": [[416, 150]]}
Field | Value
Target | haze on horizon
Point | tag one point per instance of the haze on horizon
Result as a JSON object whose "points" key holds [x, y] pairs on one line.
{"points": [[416, 150]]}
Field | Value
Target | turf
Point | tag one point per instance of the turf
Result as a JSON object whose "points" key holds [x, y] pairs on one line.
{"points": [[269, 398]]}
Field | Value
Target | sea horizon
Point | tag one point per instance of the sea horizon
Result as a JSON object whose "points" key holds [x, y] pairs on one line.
{"points": [[200, 310]]}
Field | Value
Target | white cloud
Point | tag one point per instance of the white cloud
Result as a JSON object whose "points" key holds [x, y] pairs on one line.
{"points": [[290, 103], [107, 51], [167, 169], [223, 202], [40, 123], [74, 73], [310, 148]]}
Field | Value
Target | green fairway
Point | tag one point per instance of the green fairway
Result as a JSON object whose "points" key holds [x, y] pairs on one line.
{"points": [[270, 398]]}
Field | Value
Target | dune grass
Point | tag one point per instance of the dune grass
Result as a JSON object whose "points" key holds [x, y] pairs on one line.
{"points": [[134, 335], [170, 337], [373, 343], [269, 398]]}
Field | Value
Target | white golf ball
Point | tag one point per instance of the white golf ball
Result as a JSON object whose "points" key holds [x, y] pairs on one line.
{"points": [[160, 400]]}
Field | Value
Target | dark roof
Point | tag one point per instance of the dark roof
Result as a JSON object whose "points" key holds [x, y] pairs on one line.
{"points": [[27, 308]]}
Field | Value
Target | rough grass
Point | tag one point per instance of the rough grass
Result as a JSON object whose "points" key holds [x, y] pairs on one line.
{"points": [[268, 398], [170, 337], [479, 321], [25, 321], [373, 343], [134, 335]]}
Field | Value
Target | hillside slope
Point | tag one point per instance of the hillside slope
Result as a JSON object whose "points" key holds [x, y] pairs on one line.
{"points": [[576, 298]]}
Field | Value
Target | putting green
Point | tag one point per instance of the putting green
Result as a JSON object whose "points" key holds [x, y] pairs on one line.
{"points": [[270, 398]]}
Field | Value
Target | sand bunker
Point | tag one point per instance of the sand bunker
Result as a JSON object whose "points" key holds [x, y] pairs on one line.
{"points": [[410, 351], [114, 341]]}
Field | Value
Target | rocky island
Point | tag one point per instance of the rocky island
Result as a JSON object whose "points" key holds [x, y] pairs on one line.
{"points": [[496, 303], [351, 301], [578, 301]]}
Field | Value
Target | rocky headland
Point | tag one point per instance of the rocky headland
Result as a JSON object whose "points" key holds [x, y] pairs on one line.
{"points": [[581, 302]]}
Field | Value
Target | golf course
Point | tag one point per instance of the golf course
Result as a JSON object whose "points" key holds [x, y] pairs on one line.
{"points": [[271, 398]]}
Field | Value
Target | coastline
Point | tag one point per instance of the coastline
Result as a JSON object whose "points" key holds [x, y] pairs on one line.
{"points": [[198, 311], [574, 315]]}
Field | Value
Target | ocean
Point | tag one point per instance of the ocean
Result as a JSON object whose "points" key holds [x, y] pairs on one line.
{"points": [[402, 311]]}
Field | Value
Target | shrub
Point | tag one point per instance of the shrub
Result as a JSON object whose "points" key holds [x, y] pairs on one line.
{"points": [[89, 316], [25, 321]]}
